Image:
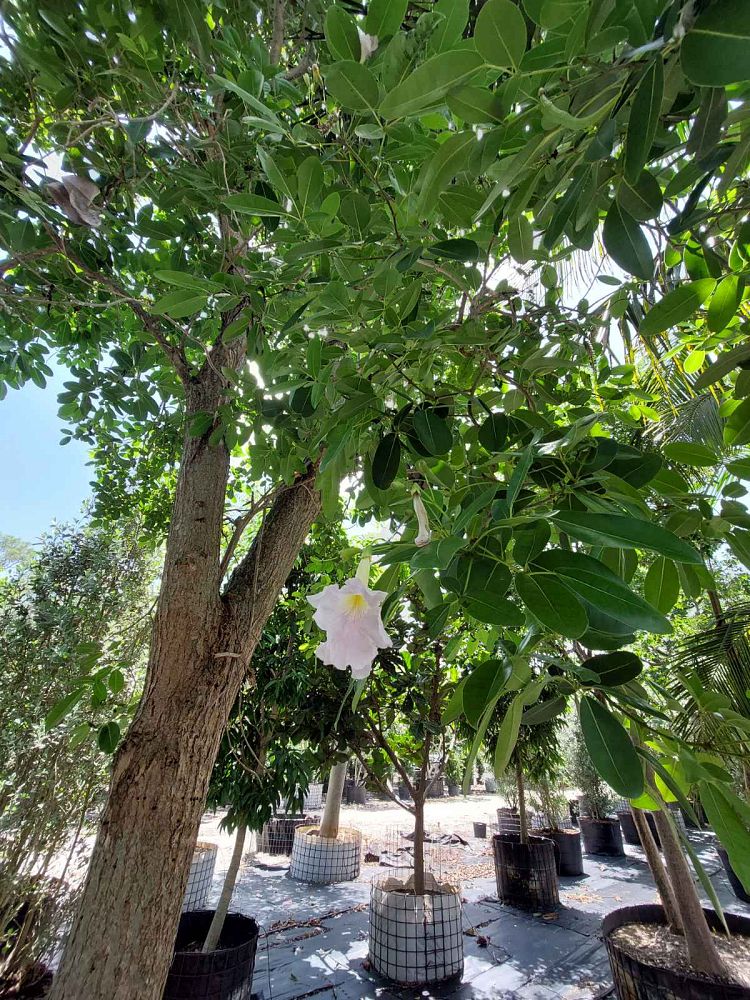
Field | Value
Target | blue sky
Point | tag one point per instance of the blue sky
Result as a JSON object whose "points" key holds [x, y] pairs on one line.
{"points": [[40, 481]]}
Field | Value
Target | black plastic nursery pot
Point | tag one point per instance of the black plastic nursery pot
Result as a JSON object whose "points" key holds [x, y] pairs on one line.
{"points": [[569, 856], [224, 974], [453, 790], [526, 874], [602, 836], [737, 886], [637, 980], [630, 830], [480, 830]]}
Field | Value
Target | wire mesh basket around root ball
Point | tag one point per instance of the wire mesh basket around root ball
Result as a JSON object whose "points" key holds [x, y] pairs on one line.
{"points": [[277, 835], [526, 874], [201, 876], [415, 939], [325, 860]]}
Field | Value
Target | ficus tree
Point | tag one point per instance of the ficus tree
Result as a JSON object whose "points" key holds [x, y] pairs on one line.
{"points": [[275, 255]]}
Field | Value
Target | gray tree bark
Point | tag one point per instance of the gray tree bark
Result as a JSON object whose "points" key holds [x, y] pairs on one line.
{"points": [[121, 940], [329, 826]]}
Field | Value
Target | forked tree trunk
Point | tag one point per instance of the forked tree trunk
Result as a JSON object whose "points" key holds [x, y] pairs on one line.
{"points": [[329, 826], [659, 872], [227, 890], [698, 938], [120, 944]]}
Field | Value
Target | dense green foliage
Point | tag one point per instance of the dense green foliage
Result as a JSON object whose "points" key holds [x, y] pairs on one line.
{"points": [[74, 627], [497, 260]]}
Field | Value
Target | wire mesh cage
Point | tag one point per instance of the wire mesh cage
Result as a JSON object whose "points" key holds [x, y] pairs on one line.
{"points": [[508, 821], [223, 974], [314, 797], [415, 939], [324, 860], [526, 874], [277, 835], [201, 876]]}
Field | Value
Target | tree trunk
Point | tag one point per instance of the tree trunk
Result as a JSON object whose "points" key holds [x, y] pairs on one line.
{"points": [[699, 940], [121, 940], [523, 825], [659, 872], [329, 826], [222, 907], [419, 798]]}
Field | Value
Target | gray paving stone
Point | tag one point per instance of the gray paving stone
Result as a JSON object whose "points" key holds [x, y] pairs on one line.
{"points": [[316, 940]]}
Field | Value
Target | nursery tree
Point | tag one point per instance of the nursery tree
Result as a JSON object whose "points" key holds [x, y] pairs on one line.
{"points": [[190, 187], [74, 624]]}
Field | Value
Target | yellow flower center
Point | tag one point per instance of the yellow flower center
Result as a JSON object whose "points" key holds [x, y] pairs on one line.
{"points": [[355, 604]]}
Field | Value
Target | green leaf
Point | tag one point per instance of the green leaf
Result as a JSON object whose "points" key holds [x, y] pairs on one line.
{"points": [[592, 582], [179, 303], [455, 15], [309, 183], [706, 131], [353, 86], [641, 198], [483, 684], [255, 204], [614, 669], [552, 603], [543, 711], [384, 17], [438, 553], [354, 212], [488, 609], [716, 50], [724, 303], [185, 280], [529, 540], [451, 159], [623, 532], [108, 737], [728, 815], [690, 454], [430, 82], [493, 434], [341, 34], [61, 708], [507, 736], [662, 585], [476, 105], [455, 707], [520, 238], [611, 749], [386, 461], [500, 34], [433, 432], [723, 365], [626, 244], [676, 306], [116, 681], [737, 427], [461, 249], [644, 117]]}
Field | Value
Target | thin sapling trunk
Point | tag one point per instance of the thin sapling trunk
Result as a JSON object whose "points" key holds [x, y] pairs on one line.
{"points": [[230, 880], [329, 826], [523, 825], [419, 798]]}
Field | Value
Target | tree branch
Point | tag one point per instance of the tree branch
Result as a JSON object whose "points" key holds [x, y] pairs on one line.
{"points": [[277, 36], [150, 323]]}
